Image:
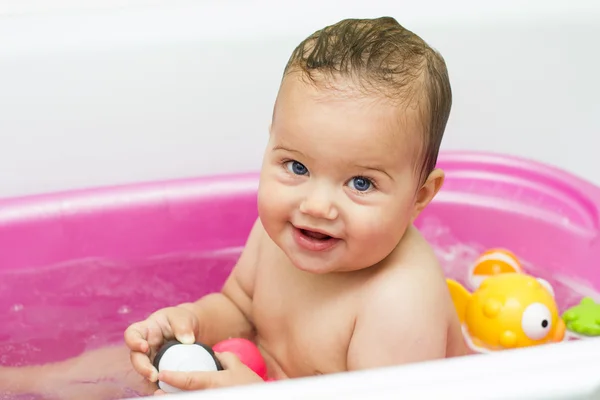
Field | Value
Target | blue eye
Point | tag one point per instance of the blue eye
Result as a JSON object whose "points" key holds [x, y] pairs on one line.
{"points": [[296, 168], [360, 183]]}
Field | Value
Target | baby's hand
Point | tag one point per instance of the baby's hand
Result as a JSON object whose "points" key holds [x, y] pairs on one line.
{"points": [[144, 338], [235, 373]]}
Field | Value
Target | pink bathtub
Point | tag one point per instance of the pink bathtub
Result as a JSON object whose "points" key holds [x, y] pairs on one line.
{"points": [[77, 267]]}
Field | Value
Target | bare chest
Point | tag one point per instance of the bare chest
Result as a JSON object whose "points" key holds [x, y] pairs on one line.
{"points": [[304, 325]]}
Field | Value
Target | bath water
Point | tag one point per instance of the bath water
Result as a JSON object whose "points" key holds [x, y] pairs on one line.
{"points": [[55, 313]]}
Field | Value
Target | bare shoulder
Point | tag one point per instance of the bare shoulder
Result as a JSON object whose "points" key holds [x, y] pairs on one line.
{"points": [[405, 314], [412, 272]]}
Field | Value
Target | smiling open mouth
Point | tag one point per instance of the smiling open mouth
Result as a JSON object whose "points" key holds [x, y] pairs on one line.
{"points": [[314, 241], [315, 235]]}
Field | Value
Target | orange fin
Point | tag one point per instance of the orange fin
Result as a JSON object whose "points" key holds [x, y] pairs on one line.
{"points": [[460, 298]]}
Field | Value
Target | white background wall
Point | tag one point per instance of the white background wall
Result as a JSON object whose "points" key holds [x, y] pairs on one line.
{"points": [[103, 91]]}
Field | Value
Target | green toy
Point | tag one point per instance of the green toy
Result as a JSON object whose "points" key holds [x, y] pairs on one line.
{"points": [[583, 318]]}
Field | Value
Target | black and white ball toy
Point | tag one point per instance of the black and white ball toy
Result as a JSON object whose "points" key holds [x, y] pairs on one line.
{"points": [[176, 356]]}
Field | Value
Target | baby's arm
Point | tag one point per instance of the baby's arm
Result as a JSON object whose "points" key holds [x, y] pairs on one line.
{"points": [[227, 314], [402, 321], [213, 318]]}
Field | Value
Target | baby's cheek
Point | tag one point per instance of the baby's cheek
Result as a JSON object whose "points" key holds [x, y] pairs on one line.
{"points": [[273, 203], [265, 203], [367, 224], [378, 227]]}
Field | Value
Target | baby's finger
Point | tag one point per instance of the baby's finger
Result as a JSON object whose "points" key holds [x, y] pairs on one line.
{"points": [[136, 337], [181, 323], [159, 392], [190, 380], [142, 365], [229, 360], [156, 336]]}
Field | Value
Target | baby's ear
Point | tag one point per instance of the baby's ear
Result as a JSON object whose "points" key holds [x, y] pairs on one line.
{"points": [[427, 192]]}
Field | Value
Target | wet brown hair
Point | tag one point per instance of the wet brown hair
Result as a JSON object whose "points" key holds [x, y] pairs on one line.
{"points": [[382, 57]]}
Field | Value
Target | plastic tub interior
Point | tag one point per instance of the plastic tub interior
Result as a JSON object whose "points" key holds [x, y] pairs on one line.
{"points": [[87, 263]]}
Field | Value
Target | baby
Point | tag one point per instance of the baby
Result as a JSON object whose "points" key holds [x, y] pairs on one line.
{"points": [[334, 276]]}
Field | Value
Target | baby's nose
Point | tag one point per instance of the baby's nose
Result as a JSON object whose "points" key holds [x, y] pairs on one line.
{"points": [[319, 206]]}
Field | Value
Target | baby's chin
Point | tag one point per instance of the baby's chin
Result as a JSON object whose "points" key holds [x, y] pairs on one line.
{"points": [[320, 264], [316, 263]]}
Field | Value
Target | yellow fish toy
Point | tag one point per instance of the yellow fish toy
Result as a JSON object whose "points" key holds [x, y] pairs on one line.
{"points": [[507, 311]]}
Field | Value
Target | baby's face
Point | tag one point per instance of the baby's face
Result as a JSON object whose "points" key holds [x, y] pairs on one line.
{"points": [[338, 183]]}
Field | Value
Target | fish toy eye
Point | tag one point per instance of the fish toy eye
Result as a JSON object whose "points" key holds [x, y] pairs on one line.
{"points": [[536, 321]]}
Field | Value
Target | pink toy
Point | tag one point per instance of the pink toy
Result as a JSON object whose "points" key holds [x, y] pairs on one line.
{"points": [[76, 268], [247, 352]]}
